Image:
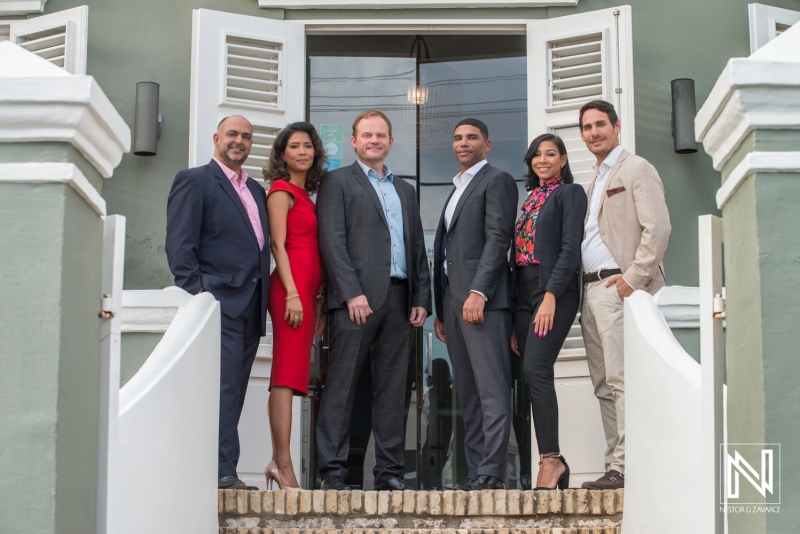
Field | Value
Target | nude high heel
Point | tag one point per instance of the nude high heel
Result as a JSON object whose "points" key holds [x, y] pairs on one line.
{"points": [[271, 473]]}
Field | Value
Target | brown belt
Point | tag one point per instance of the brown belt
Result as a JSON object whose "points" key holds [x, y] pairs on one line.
{"points": [[596, 276]]}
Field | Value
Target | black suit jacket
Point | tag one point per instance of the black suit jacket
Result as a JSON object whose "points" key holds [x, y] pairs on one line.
{"points": [[478, 241], [355, 243], [559, 233], [211, 244]]}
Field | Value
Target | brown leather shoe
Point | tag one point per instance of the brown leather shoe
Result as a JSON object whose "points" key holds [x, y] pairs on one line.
{"points": [[610, 481]]}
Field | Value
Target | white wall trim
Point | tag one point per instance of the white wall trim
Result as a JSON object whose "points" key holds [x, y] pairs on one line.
{"points": [[65, 173], [756, 162], [41, 102], [763, 21], [416, 26], [409, 4], [680, 306], [759, 92], [21, 7]]}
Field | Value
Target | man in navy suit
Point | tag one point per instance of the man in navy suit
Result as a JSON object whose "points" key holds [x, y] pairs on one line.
{"points": [[218, 241]]}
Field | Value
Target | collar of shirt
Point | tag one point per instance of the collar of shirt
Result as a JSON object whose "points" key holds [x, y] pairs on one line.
{"points": [[241, 184], [462, 179], [387, 173], [609, 162]]}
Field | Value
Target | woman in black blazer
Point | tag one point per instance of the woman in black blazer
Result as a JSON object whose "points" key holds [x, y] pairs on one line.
{"points": [[547, 254]]}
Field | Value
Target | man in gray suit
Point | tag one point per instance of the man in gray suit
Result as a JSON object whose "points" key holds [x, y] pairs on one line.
{"points": [[373, 249], [472, 286]]}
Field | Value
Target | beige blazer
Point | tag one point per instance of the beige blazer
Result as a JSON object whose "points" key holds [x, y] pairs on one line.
{"points": [[634, 221]]}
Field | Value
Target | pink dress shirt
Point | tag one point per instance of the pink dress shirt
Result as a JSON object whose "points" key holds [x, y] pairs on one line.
{"points": [[246, 196]]}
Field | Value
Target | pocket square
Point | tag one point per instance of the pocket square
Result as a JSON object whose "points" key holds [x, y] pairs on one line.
{"points": [[612, 192]]}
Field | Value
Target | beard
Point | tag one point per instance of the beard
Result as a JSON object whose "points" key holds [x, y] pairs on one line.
{"points": [[226, 153]]}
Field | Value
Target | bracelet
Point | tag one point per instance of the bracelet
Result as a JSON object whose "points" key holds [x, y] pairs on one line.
{"points": [[320, 297], [290, 297]]}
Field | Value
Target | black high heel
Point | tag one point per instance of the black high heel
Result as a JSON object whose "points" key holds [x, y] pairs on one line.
{"points": [[563, 480]]}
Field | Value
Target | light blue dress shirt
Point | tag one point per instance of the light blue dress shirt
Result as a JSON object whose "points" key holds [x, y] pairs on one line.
{"points": [[393, 211]]}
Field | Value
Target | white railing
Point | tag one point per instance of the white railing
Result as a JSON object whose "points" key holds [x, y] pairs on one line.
{"points": [[662, 425], [675, 407], [168, 429]]}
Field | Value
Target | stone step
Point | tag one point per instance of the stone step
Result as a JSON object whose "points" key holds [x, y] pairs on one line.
{"points": [[572, 511]]}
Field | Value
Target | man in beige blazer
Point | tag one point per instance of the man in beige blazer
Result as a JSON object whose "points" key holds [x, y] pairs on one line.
{"points": [[627, 230]]}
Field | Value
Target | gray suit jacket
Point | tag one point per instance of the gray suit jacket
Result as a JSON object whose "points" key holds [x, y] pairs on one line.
{"points": [[478, 241], [355, 243]]}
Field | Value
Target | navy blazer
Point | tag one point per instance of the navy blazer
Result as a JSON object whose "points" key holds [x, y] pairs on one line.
{"points": [[211, 244], [559, 233]]}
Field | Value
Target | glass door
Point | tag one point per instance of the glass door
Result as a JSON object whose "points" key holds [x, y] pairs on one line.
{"points": [[426, 85]]}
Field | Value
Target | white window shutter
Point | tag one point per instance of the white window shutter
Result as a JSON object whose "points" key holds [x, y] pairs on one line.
{"points": [[58, 37], [244, 65], [573, 60], [768, 22]]}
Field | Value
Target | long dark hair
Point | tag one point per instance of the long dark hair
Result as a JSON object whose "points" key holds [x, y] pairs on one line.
{"points": [[276, 168], [531, 179]]}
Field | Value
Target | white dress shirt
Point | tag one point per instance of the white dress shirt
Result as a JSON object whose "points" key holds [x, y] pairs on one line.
{"points": [[594, 251], [461, 181]]}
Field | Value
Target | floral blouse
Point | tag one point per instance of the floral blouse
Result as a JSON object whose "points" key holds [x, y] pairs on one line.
{"points": [[525, 230]]}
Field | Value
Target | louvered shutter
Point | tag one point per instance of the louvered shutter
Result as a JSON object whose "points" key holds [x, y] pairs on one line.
{"points": [[573, 60], [768, 22], [263, 137], [58, 37], [250, 66]]}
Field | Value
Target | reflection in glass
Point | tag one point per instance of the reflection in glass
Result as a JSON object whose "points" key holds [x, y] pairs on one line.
{"points": [[467, 77]]}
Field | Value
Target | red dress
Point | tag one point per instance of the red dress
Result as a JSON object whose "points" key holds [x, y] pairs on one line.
{"points": [[291, 348]]}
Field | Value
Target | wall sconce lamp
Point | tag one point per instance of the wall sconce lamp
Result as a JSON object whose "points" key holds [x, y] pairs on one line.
{"points": [[147, 128], [684, 110]]}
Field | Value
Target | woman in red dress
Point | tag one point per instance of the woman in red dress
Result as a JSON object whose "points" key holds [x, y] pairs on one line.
{"points": [[294, 170]]}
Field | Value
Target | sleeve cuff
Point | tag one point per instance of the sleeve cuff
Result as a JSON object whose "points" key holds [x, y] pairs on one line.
{"points": [[479, 293], [626, 281]]}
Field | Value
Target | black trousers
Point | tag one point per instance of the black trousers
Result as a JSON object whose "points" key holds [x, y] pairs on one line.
{"points": [[240, 337], [384, 341], [539, 354]]}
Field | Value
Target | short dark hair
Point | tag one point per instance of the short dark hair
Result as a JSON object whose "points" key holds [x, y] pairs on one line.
{"points": [[531, 179], [599, 105], [480, 125], [371, 113], [276, 168]]}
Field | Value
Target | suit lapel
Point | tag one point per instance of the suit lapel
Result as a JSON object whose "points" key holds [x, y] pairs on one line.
{"points": [[227, 186], [261, 203], [358, 172], [467, 192]]}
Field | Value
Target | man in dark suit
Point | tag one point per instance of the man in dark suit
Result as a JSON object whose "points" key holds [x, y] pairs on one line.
{"points": [[373, 249], [218, 241], [472, 286]]}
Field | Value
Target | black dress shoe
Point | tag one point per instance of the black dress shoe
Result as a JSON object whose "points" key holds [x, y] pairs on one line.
{"points": [[394, 484], [335, 482], [482, 482], [231, 482], [464, 486]]}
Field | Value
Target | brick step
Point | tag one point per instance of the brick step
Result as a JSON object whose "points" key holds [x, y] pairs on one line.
{"points": [[572, 511], [557, 530]]}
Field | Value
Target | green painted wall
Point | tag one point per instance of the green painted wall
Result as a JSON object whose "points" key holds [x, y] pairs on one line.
{"points": [[51, 151], [150, 40], [689, 338], [135, 349], [779, 265], [49, 400]]}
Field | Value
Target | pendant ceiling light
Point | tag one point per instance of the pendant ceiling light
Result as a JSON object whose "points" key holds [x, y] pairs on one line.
{"points": [[435, 99]]}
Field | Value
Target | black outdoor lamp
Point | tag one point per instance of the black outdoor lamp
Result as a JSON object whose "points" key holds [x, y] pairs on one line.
{"points": [[684, 110], [147, 128]]}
